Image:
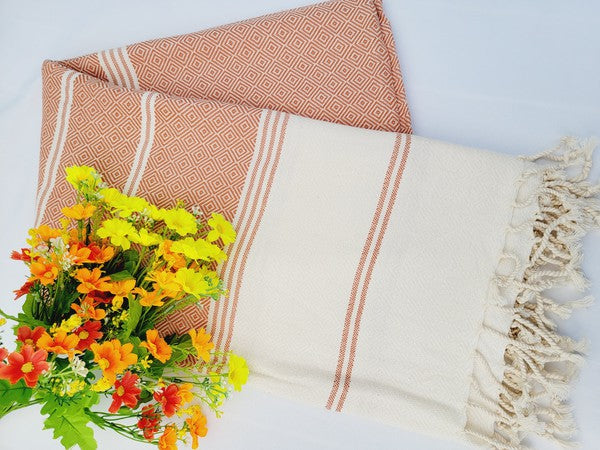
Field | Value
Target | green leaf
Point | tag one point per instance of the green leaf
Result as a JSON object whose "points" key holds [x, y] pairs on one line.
{"points": [[68, 417], [14, 393], [130, 259], [72, 429], [122, 275], [135, 312]]}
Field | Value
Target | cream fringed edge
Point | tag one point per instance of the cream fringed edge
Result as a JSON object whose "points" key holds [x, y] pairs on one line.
{"points": [[527, 395]]}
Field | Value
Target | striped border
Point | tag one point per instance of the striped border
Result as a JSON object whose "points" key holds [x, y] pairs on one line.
{"points": [[248, 218], [58, 142], [362, 277], [118, 68], [142, 152]]}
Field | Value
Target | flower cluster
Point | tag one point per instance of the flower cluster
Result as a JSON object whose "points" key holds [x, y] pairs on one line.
{"points": [[98, 290]]}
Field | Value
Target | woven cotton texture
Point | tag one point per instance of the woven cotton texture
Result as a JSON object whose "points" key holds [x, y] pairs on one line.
{"points": [[375, 272]]}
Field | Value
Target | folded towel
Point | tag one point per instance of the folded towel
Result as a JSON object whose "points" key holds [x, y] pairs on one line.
{"points": [[375, 272]]}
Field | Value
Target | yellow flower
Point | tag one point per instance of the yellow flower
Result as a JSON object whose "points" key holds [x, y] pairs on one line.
{"points": [[74, 387], [145, 362], [79, 211], [145, 238], [192, 282], [201, 342], [238, 371], [198, 249], [2, 321], [180, 221], [128, 205], [82, 175], [111, 196], [117, 230], [67, 325], [221, 228], [103, 384]]}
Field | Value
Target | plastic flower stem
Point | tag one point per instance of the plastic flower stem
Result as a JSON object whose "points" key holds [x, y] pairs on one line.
{"points": [[19, 406], [8, 316]]}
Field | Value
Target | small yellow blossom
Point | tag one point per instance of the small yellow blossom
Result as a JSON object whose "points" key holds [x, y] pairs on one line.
{"points": [[145, 238], [117, 230], [238, 371], [103, 384], [198, 249], [192, 282], [82, 175], [74, 387], [221, 228], [2, 321], [180, 221]]}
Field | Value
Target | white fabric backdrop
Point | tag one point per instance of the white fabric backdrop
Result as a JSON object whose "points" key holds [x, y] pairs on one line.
{"points": [[511, 76]]}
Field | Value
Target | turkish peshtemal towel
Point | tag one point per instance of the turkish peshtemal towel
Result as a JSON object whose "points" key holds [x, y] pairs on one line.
{"points": [[375, 272]]}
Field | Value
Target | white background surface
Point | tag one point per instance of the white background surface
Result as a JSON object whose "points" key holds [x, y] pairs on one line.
{"points": [[510, 76]]}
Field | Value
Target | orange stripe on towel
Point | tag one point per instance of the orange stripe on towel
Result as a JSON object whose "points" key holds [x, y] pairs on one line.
{"points": [[368, 258]]}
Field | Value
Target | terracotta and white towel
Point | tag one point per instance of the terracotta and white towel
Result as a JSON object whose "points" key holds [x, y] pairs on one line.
{"points": [[375, 272]]}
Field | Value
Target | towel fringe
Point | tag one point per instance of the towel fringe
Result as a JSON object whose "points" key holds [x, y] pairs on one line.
{"points": [[539, 362]]}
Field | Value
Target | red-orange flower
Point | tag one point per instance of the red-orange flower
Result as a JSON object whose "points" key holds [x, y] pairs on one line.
{"points": [[100, 254], [44, 271], [157, 346], [61, 343], [149, 421], [23, 289], [88, 310], [169, 399], [126, 392], [3, 354], [88, 333], [28, 336], [27, 364], [91, 280], [24, 255]]}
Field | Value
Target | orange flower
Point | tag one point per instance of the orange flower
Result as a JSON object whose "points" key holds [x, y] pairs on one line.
{"points": [[201, 341], [185, 393], [120, 289], [197, 425], [28, 336], [61, 343], [165, 282], [91, 280], [79, 211], [27, 364], [174, 260], [87, 310], [168, 440], [126, 392], [43, 271], [3, 354], [113, 357], [151, 298], [157, 346], [43, 233], [79, 253]]}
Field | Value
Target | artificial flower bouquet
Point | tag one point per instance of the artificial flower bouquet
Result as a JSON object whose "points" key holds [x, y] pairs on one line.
{"points": [[98, 288]]}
